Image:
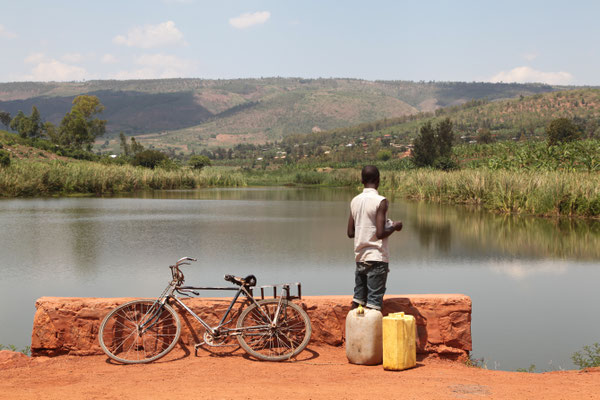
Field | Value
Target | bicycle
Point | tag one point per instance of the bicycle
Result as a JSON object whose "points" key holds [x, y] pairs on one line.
{"points": [[142, 331]]}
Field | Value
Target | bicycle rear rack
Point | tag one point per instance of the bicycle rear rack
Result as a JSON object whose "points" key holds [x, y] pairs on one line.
{"points": [[285, 289]]}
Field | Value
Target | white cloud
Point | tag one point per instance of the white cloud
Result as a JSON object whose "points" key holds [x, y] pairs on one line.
{"points": [[159, 65], [530, 56], [35, 58], [528, 74], [72, 57], [108, 59], [4, 34], [150, 36], [249, 19], [54, 70]]}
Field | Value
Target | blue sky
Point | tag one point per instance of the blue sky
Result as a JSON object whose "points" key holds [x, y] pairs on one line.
{"points": [[512, 41]]}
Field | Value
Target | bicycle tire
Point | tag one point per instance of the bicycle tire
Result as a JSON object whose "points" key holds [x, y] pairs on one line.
{"points": [[288, 338], [120, 337]]}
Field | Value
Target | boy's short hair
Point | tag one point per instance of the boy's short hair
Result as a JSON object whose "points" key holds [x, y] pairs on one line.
{"points": [[370, 174]]}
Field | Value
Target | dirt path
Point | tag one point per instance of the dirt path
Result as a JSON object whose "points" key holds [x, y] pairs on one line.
{"points": [[319, 373]]}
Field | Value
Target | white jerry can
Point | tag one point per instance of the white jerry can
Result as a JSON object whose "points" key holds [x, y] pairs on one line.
{"points": [[364, 343]]}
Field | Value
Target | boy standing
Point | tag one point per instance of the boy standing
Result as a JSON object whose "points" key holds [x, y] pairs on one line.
{"points": [[370, 228]]}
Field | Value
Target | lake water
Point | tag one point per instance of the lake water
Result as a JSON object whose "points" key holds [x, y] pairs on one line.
{"points": [[533, 281]]}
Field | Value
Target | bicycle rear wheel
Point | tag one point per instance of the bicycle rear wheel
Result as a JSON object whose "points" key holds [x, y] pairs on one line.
{"points": [[274, 343], [139, 331]]}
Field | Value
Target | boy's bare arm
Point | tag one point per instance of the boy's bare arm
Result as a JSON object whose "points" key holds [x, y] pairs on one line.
{"points": [[350, 229], [381, 230]]}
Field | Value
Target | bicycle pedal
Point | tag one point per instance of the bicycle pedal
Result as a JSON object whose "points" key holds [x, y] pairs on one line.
{"points": [[198, 345]]}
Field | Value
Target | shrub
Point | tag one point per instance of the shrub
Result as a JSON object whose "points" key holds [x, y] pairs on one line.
{"points": [[445, 164], [588, 357], [4, 158], [562, 130], [384, 155], [199, 162], [168, 165], [149, 158]]}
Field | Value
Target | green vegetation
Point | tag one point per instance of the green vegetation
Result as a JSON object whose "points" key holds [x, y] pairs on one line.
{"points": [[25, 350], [79, 127], [562, 130], [149, 158], [4, 158], [581, 155], [551, 193], [587, 358], [34, 178], [531, 369], [433, 147], [199, 162]]}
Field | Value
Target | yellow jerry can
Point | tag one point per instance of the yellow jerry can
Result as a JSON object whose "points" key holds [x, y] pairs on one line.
{"points": [[399, 342]]}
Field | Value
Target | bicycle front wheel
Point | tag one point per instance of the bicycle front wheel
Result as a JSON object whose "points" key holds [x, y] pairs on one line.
{"points": [[139, 331], [287, 338]]}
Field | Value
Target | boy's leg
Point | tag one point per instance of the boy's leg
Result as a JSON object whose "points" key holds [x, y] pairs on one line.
{"points": [[376, 280], [360, 285]]}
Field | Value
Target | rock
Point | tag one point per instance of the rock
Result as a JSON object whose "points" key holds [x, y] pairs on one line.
{"points": [[70, 325], [13, 359]]}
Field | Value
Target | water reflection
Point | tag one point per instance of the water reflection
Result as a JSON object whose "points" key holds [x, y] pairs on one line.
{"points": [[481, 233]]}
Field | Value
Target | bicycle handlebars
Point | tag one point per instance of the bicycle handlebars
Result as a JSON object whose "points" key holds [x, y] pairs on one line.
{"points": [[179, 262]]}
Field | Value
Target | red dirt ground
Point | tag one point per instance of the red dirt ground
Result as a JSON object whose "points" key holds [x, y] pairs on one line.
{"points": [[318, 373]]}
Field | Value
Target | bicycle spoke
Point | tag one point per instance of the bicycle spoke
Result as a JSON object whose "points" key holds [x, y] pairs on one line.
{"points": [[123, 338], [286, 337]]}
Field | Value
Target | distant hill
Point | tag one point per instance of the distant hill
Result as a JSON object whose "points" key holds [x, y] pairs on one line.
{"points": [[519, 118], [195, 113]]}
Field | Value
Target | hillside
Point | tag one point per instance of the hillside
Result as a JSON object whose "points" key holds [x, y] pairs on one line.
{"points": [[525, 117], [191, 114]]}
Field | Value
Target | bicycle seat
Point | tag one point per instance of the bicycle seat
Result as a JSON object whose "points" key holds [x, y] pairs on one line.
{"points": [[249, 281]]}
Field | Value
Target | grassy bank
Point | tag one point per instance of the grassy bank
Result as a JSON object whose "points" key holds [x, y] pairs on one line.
{"points": [[35, 178], [542, 193]]}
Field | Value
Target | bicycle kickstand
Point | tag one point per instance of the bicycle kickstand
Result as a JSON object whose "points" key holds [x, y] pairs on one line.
{"points": [[196, 347]]}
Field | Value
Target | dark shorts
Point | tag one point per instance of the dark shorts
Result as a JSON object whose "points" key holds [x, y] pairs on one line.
{"points": [[370, 278]]}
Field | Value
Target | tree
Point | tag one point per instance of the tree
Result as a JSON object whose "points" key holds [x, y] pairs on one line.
{"points": [[199, 162], [433, 146], [5, 118], [79, 128], [424, 151], [135, 147], [562, 130], [149, 158], [445, 138], [124, 145], [28, 126], [35, 123], [18, 123]]}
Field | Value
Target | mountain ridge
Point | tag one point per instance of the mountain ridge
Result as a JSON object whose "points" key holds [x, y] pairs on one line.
{"points": [[200, 113]]}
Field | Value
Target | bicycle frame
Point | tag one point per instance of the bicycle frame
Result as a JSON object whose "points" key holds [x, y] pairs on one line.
{"points": [[169, 294]]}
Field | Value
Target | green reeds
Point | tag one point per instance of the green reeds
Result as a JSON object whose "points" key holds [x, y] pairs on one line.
{"points": [[542, 193], [31, 178]]}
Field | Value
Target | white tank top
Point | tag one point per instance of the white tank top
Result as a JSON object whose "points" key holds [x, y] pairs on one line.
{"points": [[364, 210]]}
